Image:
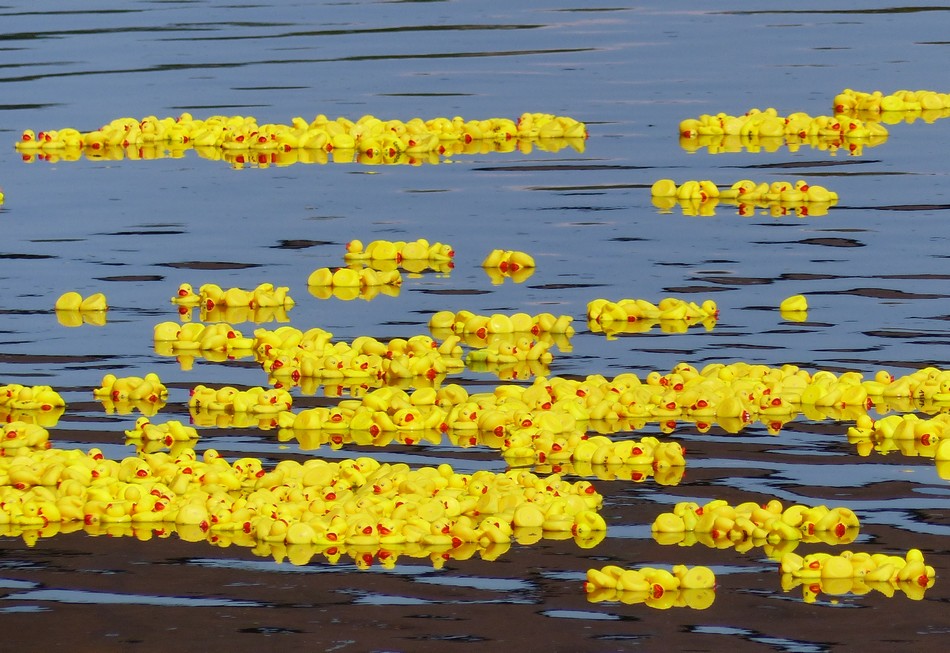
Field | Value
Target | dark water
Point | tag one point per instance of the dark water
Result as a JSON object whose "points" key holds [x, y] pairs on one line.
{"points": [[874, 269]]}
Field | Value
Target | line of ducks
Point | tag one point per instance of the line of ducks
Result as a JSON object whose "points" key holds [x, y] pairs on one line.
{"points": [[603, 312], [767, 123], [745, 190], [682, 586], [854, 102], [210, 295], [768, 523], [857, 572], [858, 120], [366, 140]]}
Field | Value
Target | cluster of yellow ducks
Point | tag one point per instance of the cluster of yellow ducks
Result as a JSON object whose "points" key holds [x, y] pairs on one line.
{"points": [[639, 315], [167, 433], [484, 326], [904, 105], [399, 251], [210, 295], [767, 130], [358, 502], [134, 389], [778, 198], [683, 586], [503, 264], [906, 433], [374, 510], [858, 120], [18, 436], [857, 572], [360, 278], [546, 422], [717, 523], [242, 140]]}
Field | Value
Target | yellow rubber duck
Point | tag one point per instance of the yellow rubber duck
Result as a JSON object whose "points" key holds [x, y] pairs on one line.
{"points": [[794, 308]]}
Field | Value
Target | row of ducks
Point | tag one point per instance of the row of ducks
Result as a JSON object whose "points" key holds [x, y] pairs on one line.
{"points": [[716, 393], [854, 102], [355, 501], [262, 159], [349, 293], [681, 586], [604, 311], [773, 548], [612, 329], [210, 295], [361, 556], [744, 190], [368, 134], [907, 433], [289, 354], [398, 251], [737, 390], [777, 209], [768, 123], [877, 567], [483, 327], [814, 588], [771, 522], [240, 314], [358, 279], [734, 143]]}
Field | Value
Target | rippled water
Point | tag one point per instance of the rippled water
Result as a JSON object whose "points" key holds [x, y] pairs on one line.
{"points": [[874, 269]]}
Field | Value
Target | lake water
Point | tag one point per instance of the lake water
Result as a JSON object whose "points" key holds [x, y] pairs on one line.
{"points": [[874, 269]]}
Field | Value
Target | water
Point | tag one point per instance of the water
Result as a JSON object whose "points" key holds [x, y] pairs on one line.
{"points": [[873, 268]]}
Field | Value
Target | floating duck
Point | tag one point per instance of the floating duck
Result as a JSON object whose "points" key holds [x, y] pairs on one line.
{"points": [[794, 308]]}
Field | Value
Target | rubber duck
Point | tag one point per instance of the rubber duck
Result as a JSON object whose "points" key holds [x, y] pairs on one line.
{"points": [[69, 301], [794, 304]]}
